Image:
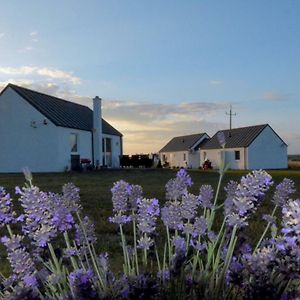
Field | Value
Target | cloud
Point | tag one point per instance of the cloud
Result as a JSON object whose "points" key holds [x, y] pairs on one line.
{"points": [[216, 82], [26, 49], [2, 34], [275, 96], [34, 36], [50, 73], [147, 127]]}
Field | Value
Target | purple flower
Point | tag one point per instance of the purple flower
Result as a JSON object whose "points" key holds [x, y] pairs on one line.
{"points": [[247, 196], [198, 245], [189, 205], [38, 212], [135, 194], [82, 284], [120, 219], [145, 242], [230, 191], [71, 252], [85, 232], [291, 218], [221, 138], [70, 197], [120, 194], [283, 191], [164, 275], [236, 220], [7, 215], [177, 187], [20, 261], [200, 227], [103, 261], [147, 213], [171, 215], [179, 244], [270, 219], [206, 195]]}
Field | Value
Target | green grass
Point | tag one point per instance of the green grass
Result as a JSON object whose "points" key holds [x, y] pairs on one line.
{"points": [[96, 197]]}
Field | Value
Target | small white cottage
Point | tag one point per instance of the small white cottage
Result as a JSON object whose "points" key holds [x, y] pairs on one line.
{"points": [[183, 151], [253, 147], [48, 134]]}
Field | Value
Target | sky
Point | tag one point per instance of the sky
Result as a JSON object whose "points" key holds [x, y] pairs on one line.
{"points": [[163, 68]]}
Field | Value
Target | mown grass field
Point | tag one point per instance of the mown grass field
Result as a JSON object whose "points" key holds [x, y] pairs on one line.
{"points": [[96, 196]]}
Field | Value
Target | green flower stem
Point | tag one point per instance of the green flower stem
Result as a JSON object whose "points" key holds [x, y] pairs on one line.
{"points": [[56, 267], [135, 245], [187, 237], [145, 252], [169, 244], [90, 251], [9, 230], [211, 251], [165, 255], [125, 254], [73, 260], [157, 259], [232, 243], [266, 230], [212, 216]]}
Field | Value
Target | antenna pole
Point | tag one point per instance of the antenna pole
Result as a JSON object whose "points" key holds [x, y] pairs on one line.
{"points": [[230, 114]]}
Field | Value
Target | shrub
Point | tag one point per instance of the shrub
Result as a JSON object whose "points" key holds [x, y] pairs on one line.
{"points": [[51, 251]]}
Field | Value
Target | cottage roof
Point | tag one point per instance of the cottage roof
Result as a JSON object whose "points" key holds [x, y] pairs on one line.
{"points": [[61, 112], [183, 143], [237, 137]]}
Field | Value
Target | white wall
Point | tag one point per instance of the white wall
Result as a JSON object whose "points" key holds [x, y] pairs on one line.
{"points": [[175, 159], [84, 146], [214, 155], [267, 151], [116, 149], [194, 159], [21, 144]]}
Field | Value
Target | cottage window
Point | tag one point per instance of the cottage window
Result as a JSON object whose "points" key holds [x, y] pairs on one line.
{"points": [[237, 155], [74, 142], [184, 156]]}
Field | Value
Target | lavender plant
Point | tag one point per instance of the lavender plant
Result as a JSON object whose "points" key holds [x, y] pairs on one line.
{"points": [[51, 248]]}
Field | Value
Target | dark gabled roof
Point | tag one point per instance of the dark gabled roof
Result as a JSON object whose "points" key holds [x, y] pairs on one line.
{"points": [[182, 143], [236, 137], [61, 112]]}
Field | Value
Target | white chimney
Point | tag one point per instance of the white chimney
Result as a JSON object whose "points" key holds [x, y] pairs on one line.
{"points": [[97, 131]]}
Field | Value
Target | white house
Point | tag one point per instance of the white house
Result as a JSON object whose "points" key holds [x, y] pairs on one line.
{"points": [[183, 151], [253, 147], [48, 134]]}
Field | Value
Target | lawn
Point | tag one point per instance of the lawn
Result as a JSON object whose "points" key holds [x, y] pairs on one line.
{"points": [[96, 197]]}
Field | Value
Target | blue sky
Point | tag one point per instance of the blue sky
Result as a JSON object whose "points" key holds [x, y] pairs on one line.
{"points": [[163, 68]]}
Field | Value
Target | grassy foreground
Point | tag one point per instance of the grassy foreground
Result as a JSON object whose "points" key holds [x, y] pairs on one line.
{"points": [[96, 196]]}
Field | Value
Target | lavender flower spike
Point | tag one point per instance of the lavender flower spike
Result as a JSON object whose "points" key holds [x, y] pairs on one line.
{"points": [[7, 215], [283, 191], [221, 138], [20, 260], [177, 187]]}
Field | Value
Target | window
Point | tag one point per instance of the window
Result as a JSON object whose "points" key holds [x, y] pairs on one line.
{"points": [[184, 156], [74, 142], [237, 155], [108, 145]]}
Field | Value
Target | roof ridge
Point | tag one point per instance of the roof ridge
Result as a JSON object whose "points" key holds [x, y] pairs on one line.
{"points": [[251, 126], [180, 136], [44, 94]]}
